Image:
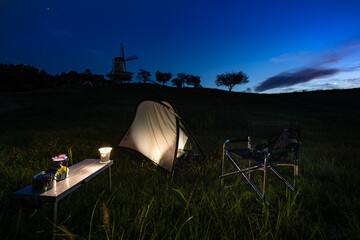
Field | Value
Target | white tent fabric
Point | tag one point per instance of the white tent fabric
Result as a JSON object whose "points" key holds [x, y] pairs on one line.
{"points": [[156, 133]]}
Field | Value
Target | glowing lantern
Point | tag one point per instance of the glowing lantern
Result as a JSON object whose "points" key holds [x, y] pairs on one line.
{"points": [[105, 154]]}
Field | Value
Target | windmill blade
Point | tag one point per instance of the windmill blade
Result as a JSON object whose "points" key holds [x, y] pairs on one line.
{"points": [[131, 58], [122, 51], [123, 55]]}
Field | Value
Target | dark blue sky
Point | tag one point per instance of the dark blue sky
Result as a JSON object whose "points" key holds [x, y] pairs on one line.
{"points": [[282, 45]]}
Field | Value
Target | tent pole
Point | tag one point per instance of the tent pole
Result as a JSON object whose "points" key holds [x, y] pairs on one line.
{"points": [[176, 146], [191, 134]]}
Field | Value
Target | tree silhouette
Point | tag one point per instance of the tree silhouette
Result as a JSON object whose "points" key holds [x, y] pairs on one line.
{"points": [[143, 75], [193, 80], [180, 80], [231, 79], [22, 77], [87, 71], [44, 77], [74, 77], [177, 82], [162, 77], [184, 78]]}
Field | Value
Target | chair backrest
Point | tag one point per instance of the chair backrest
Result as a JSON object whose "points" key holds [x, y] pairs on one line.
{"points": [[268, 129]]}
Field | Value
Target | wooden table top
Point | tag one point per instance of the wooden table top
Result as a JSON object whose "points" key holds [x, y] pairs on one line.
{"points": [[79, 174]]}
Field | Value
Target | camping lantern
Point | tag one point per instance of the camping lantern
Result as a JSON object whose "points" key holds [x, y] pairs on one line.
{"points": [[105, 154]]}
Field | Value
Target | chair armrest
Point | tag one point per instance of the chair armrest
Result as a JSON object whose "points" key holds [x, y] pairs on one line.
{"points": [[238, 140], [235, 141]]}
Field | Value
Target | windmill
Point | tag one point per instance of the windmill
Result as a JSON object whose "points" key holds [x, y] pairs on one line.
{"points": [[118, 72]]}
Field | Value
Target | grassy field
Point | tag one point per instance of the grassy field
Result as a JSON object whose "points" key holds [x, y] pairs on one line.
{"points": [[145, 203]]}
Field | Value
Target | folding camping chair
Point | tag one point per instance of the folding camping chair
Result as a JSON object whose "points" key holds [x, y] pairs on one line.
{"points": [[262, 160]]}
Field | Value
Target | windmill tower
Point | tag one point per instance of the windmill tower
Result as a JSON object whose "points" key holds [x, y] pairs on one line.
{"points": [[118, 72]]}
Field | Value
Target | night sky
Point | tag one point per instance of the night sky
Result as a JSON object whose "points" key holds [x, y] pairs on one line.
{"points": [[283, 46]]}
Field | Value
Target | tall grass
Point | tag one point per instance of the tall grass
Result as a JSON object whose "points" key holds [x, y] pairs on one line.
{"points": [[145, 203]]}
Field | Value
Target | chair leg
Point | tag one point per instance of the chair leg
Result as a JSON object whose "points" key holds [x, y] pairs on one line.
{"points": [[282, 178], [265, 180], [54, 220], [18, 219], [249, 173], [296, 174], [222, 167]]}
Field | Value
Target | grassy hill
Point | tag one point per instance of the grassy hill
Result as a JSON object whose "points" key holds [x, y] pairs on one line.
{"points": [[145, 204]]}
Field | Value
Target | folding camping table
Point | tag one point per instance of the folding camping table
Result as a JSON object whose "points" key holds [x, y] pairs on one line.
{"points": [[79, 174]]}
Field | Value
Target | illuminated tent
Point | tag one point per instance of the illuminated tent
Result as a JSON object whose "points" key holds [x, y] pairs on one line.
{"points": [[159, 133]]}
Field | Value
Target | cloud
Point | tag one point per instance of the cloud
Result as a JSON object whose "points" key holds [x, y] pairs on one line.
{"points": [[315, 58], [291, 56], [282, 58], [316, 65], [287, 79], [325, 86], [355, 43], [352, 68], [328, 56], [353, 80], [353, 46], [309, 87]]}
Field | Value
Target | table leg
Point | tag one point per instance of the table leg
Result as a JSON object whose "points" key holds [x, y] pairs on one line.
{"points": [[54, 220], [110, 176], [18, 220]]}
